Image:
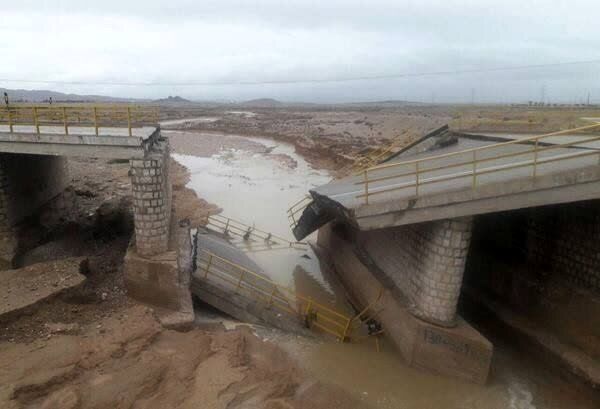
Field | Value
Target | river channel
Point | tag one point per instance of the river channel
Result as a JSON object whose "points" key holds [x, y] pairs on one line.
{"points": [[255, 180]]}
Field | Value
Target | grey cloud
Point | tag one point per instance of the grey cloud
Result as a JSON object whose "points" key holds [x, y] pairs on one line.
{"points": [[244, 40]]}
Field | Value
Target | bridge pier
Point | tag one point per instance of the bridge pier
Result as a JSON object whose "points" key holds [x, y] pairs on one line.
{"points": [[157, 263], [426, 261], [151, 188]]}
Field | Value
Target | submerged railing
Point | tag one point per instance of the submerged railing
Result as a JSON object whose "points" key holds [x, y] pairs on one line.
{"points": [[311, 313], [70, 115], [254, 239], [419, 172]]}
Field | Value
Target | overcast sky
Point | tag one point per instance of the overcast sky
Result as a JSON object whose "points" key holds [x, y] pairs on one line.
{"points": [[175, 41]]}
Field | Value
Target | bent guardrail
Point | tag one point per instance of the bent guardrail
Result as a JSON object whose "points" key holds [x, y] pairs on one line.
{"points": [[254, 238], [286, 300]]}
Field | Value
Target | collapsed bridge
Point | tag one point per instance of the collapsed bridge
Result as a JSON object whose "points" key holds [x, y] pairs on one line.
{"points": [[407, 223]]}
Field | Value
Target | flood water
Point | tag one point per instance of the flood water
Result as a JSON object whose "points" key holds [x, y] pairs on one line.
{"points": [[258, 187]]}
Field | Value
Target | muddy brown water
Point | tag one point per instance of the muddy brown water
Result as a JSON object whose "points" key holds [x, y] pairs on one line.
{"points": [[258, 187]]}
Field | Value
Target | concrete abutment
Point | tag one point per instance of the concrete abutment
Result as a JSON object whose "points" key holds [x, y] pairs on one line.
{"points": [[28, 184]]}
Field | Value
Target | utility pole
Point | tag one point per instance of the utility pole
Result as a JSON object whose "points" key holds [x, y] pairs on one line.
{"points": [[543, 94]]}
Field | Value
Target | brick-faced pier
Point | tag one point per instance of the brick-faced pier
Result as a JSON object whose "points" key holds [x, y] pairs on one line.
{"points": [[152, 200], [426, 261]]}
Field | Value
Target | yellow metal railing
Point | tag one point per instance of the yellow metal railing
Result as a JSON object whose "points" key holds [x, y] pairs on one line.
{"points": [[69, 115], [295, 211], [420, 171], [378, 155], [256, 239], [273, 295]]}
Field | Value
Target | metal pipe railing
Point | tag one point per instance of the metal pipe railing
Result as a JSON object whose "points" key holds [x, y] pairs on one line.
{"points": [[273, 294], [418, 175], [68, 115], [298, 208], [228, 226]]}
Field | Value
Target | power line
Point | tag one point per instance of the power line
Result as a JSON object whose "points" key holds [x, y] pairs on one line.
{"points": [[307, 81]]}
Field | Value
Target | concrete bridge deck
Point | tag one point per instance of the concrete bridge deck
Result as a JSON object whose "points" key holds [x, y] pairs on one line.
{"points": [[110, 142], [474, 175]]}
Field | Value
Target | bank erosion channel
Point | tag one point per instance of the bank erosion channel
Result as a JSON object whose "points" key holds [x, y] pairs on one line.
{"points": [[255, 180]]}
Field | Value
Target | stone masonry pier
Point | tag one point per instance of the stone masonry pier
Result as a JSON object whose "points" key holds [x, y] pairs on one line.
{"points": [[152, 200], [425, 261]]}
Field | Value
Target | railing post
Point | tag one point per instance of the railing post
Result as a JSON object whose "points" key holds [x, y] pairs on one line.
{"points": [[474, 169], [272, 295], [535, 157], [96, 119], [226, 229], [129, 119], [10, 124], [64, 114], [210, 257], [239, 284], [308, 306], [417, 179], [35, 120], [365, 173], [346, 328]]}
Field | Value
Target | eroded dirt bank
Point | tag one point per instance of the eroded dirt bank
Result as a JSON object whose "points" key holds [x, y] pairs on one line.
{"points": [[93, 347], [127, 360]]}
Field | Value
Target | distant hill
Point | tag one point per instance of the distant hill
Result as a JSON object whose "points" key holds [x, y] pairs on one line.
{"points": [[172, 100], [262, 103], [34, 95], [383, 104]]}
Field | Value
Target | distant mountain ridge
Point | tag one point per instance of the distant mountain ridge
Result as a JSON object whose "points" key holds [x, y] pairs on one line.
{"points": [[172, 99], [24, 95]]}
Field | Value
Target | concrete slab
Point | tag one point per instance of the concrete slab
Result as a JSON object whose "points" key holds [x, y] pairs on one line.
{"points": [[447, 192], [138, 132], [81, 141], [21, 290], [239, 303], [460, 352], [347, 191], [565, 187]]}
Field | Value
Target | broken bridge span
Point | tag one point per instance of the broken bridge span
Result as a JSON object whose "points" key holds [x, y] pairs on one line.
{"points": [[407, 224]]}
